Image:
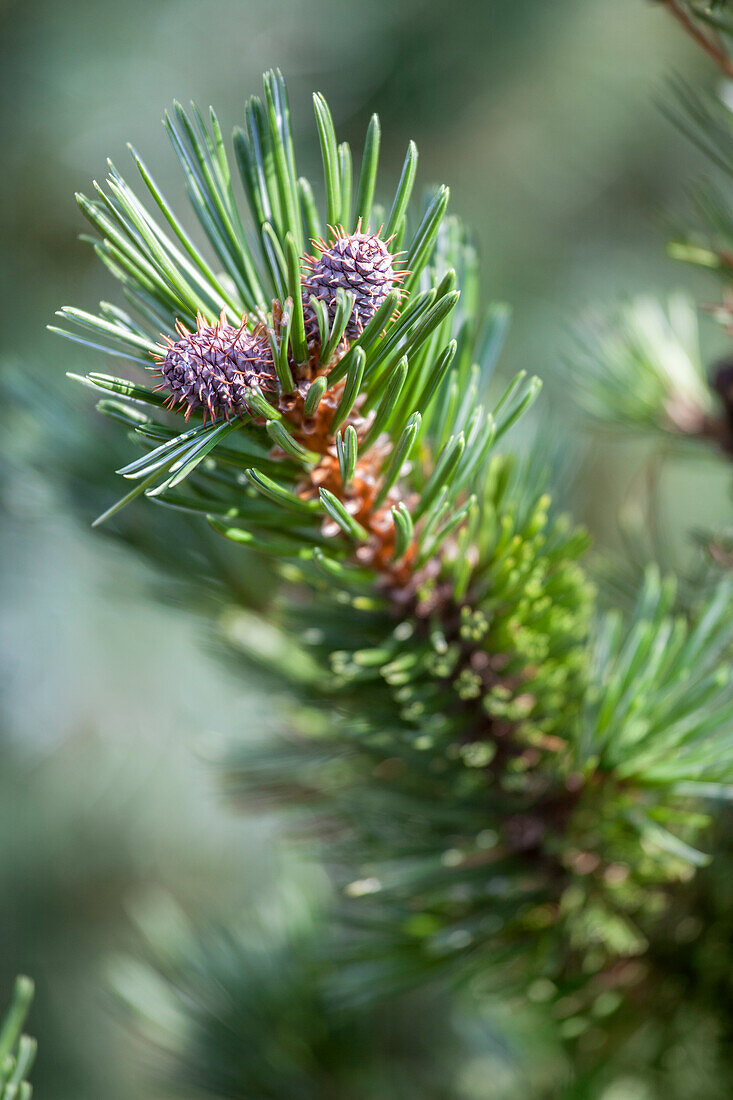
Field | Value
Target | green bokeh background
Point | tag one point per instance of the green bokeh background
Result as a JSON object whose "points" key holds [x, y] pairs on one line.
{"points": [[544, 119]]}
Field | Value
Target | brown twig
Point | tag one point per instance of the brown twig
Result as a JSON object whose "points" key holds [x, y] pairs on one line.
{"points": [[711, 48]]}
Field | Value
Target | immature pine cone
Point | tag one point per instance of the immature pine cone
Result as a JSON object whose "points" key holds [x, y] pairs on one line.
{"points": [[361, 264], [212, 367]]}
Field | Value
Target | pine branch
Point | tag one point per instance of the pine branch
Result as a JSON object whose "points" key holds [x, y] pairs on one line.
{"points": [[644, 368], [478, 742], [253, 1008], [686, 15]]}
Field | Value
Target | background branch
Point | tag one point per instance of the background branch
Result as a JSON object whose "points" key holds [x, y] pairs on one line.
{"points": [[711, 48]]}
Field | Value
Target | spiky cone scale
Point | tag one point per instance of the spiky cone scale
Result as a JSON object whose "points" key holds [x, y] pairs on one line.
{"points": [[212, 368], [358, 263], [312, 331]]}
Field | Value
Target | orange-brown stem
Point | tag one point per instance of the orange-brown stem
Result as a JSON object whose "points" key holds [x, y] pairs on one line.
{"points": [[711, 47]]}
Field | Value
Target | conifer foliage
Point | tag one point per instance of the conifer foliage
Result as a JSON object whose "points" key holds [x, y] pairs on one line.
{"points": [[643, 368], [508, 780], [17, 1050]]}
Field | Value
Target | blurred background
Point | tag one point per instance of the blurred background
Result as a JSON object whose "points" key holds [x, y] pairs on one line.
{"points": [[544, 119]]}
